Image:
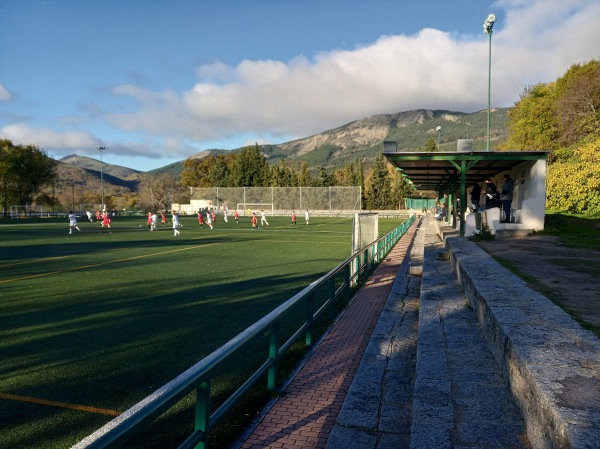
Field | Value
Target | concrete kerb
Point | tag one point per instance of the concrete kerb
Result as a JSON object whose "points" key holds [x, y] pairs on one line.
{"points": [[551, 363]]}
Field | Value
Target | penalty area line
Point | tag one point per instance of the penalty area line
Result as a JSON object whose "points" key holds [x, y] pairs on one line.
{"points": [[81, 408]]}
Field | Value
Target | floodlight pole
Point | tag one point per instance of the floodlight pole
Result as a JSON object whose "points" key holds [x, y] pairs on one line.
{"points": [[101, 149], [488, 26], [439, 129]]}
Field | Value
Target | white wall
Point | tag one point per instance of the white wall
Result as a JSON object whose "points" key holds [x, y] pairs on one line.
{"points": [[529, 201]]}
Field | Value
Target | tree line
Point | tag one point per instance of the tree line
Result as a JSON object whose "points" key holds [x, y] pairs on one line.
{"points": [[383, 187], [28, 176]]}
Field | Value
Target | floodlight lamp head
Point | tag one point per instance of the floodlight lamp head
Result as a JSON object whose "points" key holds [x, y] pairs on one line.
{"points": [[489, 24], [439, 128]]}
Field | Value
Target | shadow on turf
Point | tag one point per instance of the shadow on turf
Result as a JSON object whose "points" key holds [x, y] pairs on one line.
{"points": [[111, 353]]}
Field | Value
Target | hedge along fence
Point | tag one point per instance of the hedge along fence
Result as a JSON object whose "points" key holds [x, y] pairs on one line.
{"points": [[198, 378]]}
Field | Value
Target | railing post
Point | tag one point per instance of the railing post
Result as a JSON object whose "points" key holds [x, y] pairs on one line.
{"points": [[203, 412], [365, 265], [273, 374], [332, 296], [347, 280], [309, 319]]}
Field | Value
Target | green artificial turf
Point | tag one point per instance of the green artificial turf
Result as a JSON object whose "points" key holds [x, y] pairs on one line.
{"points": [[102, 320]]}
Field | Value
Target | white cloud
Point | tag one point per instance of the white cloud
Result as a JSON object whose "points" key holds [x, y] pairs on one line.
{"points": [[47, 138], [62, 143], [4, 94], [431, 69], [275, 101]]}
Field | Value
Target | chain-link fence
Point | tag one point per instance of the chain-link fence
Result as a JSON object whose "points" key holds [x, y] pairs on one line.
{"points": [[279, 198]]}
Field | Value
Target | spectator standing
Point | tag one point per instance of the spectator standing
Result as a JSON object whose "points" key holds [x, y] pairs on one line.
{"points": [[491, 194], [475, 194], [506, 196]]}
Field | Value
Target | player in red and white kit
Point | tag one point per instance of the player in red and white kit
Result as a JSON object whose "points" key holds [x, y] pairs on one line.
{"points": [[200, 218], [105, 222], [254, 221]]}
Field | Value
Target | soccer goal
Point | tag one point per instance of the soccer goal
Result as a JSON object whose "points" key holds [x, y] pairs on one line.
{"points": [[365, 230], [247, 208], [19, 211]]}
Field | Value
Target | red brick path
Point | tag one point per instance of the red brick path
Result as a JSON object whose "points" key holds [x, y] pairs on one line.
{"points": [[304, 417]]}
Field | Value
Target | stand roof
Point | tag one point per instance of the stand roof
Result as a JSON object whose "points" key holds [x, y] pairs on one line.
{"points": [[440, 170]]}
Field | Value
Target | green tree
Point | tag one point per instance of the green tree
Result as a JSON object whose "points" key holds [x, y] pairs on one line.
{"points": [[24, 172], [250, 169], [303, 175], [578, 103], [195, 172], [347, 175], [325, 179], [282, 176], [360, 178], [400, 190], [532, 123], [378, 186], [431, 146], [219, 173], [573, 185]]}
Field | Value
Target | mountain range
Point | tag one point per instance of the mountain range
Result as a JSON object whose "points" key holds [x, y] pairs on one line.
{"points": [[412, 130]]}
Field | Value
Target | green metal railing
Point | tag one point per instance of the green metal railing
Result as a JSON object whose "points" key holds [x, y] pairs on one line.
{"points": [[354, 271]]}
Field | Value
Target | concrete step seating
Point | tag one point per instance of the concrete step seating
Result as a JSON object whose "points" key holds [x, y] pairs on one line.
{"points": [[551, 364]]}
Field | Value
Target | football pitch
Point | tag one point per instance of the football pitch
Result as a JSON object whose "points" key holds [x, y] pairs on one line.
{"points": [[91, 323]]}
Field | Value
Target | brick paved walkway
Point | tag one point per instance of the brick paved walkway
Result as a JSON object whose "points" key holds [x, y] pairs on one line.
{"points": [[305, 416]]}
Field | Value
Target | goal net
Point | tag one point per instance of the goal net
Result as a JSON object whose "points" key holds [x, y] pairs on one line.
{"points": [[17, 211], [365, 230]]}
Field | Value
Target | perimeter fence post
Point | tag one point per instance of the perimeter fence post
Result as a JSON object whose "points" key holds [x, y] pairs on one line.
{"points": [[273, 374], [203, 412], [309, 319], [347, 280], [332, 296]]}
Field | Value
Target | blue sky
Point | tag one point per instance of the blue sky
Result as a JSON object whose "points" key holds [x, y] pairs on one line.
{"points": [[157, 81]]}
